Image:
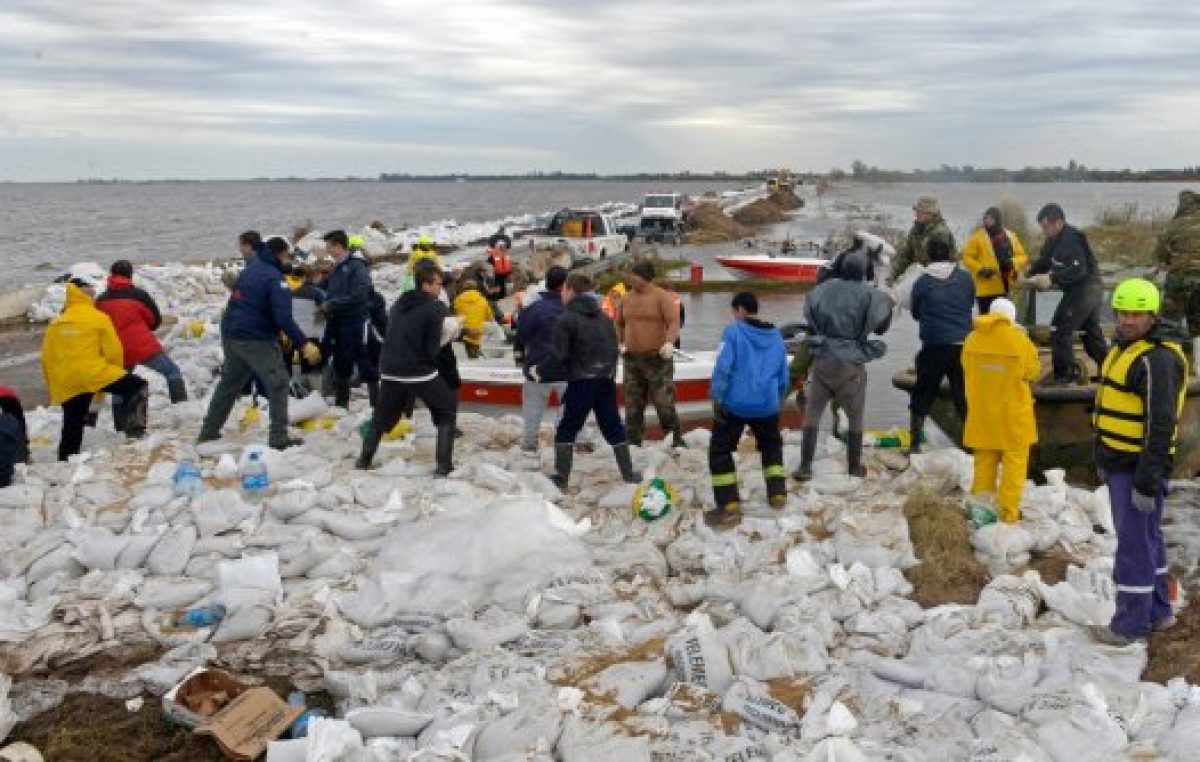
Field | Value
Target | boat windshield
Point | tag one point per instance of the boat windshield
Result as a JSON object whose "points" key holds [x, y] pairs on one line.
{"points": [[659, 202]]}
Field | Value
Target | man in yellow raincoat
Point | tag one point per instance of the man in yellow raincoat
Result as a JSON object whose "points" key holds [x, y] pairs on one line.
{"points": [[475, 310], [993, 255], [1000, 363], [81, 356], [424, 250]]}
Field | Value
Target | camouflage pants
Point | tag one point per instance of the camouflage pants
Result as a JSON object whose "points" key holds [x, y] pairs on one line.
{"points": [[1181, 300], [647, 375]]}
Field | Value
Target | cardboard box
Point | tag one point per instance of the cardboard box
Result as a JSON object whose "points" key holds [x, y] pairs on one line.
{"points": [[182, 703], [250, 722]]}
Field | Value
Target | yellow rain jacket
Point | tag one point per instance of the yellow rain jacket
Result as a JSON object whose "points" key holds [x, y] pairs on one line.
{"points": [[977, 254], [419, 256], [474, 310], [81, 351], [999, 364]]}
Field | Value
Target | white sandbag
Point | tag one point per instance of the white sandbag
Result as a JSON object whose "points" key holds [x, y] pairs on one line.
{"points": [[8, 719], [1003, 546], [306, 408], [60, 561], [836, 750], [699, 656], [492, 628], [874, 537], [219, 511], [137, 550], [168, 593], [1011, 601], [260, 572], [172, 552], [630, 683], [288, 505], [528, 730], [243, 623], [20, 619], [333, 741], [493, 477], [1085, 733], [345, 526], [226, 468], [98, 548], [1086, 596], [386, 721], [112, 586], [1180, 740], [22, 496], [1006, 682], [749, 700], [290, 750], [763, 656], [618, 498]]}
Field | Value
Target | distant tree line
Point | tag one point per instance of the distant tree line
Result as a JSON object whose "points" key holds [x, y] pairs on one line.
{"points": [[407, 177], [1072, 172]]}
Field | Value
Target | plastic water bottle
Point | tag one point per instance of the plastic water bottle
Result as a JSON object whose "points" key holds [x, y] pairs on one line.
{"points": [[201, 616], [299, 728], [255, 481], [187, 479]]}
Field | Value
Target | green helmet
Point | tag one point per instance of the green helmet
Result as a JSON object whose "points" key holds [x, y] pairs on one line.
{"points": [[1136, 295], [356, 242]]}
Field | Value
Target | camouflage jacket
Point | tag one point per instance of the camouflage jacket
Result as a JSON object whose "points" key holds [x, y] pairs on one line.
{"points": [[913, 248]]}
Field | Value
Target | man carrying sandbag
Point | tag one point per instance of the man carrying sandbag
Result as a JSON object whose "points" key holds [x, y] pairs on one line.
{"points": [[1142, 390], [999, 364]]}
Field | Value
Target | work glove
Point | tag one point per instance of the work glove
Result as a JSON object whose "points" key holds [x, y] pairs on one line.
{"points": [[987, 272], [535, 374], [621, 350], [311, 354], [1042, 282], [1144, 503], [666, 351]]}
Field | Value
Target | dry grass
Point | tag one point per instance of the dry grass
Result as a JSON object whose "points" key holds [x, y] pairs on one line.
{"points": [[769, 210], [1015, 218], [1127, 244], [949, 572], [708, 223], [1052, 565], [1174, 653]]}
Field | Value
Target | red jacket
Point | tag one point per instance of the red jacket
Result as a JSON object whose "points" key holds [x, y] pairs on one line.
{"points": [[135, 316]]}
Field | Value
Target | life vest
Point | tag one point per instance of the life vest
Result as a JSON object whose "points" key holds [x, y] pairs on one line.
{"points": [[1120, 416], [501, 262], [609, 307]]}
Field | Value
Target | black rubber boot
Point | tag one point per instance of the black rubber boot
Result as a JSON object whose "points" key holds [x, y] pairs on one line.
{"points": [[854, 446], [808, 450], [564, 456], [444, 452], [916, 425], [341, 392], [373, 393], [178, 390], [625, 463], [134, 412], [369, 446]]}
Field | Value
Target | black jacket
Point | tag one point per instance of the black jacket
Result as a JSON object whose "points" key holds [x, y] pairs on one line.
{"points": [[348, 290], [583, 344], [1069, 260], [535, 330], [414, 338], [1156, 378]]}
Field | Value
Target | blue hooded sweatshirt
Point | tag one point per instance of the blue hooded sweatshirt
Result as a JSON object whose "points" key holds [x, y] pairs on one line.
{"points": [[260, 305], [750, 378]]}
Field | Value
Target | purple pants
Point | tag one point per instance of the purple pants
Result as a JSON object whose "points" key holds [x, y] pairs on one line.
{"points": [[1140, 572]]}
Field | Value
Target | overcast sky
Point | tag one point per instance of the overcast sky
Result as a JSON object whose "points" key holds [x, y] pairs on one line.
{"points": [[175, 88]]}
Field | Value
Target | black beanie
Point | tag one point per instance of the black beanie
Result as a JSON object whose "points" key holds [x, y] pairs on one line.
{"points": [[994, 213]]}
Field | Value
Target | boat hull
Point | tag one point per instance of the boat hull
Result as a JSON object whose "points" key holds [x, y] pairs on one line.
{"points": [[791, 269]]}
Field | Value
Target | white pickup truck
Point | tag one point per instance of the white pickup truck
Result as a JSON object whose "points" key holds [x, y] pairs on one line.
{"points": [[588, 234]]}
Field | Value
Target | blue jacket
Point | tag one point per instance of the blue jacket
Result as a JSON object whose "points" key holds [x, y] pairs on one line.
{"points": [[534, 328], [260, 305], [942, 300], [750, 378], [348, 290]]}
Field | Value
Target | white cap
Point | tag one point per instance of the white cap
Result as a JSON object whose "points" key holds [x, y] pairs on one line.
{"points": [[1005, 308]]}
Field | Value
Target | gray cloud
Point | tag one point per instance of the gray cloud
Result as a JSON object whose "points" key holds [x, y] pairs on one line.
{"points": [[222, 89]]}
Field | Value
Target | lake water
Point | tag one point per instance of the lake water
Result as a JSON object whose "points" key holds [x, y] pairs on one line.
{"points": [[48, 227]]}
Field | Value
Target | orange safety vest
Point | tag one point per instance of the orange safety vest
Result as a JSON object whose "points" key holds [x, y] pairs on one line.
{"points": [[608, 307], [501, 262]]}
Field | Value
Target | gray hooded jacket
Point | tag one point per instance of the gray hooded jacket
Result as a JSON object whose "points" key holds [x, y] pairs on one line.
{"points": [[842, 314]]}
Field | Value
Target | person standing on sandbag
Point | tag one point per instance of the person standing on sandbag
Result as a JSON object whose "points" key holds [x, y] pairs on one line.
{"points": [[647, 328], [749, 383], [259, 309], [1067, 261], [1143, 386], [535, 329], [999, 364], [14, 438], [409, 366], [82, 356], [346, 308], [135, 315], [583, 348], [941, 301], [841, 315]]}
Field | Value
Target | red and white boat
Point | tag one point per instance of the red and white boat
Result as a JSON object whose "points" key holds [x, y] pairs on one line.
{"points": [[773, 267], [493, 385]]}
